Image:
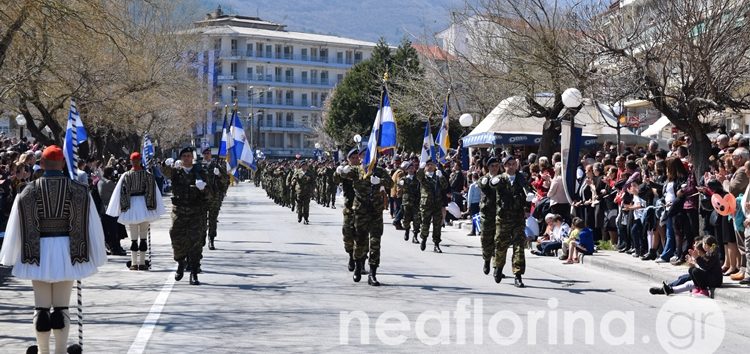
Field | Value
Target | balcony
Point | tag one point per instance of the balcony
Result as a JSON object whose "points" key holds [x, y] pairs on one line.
{"points": [[260, 79], [287, 59], [286, 127]]}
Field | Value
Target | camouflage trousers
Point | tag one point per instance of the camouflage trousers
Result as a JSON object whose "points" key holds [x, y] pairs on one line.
{"points": [[368, 228], [511, 232], [213, 215], [188, 234], [410, 216], [348, 230], [434, 217], [303, 207], [488, 237], [332, 195]]}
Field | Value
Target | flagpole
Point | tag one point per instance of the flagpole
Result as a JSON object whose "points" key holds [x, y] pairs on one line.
{"points": [[374, 162]]}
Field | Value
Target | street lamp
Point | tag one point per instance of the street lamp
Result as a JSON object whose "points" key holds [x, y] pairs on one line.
{"points": [[572, 98], [21, 121]]}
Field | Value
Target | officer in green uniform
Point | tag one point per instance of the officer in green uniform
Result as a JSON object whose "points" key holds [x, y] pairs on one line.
{"points": [[330, 186], [409, 187], [431, 183], [369, 191], [511, 208], [303, 181], [488, 213], [189, 198], [217, 184], [353, 159]]}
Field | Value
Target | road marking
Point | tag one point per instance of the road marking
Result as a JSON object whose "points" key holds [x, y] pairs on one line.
{"points": [[144, 334]]}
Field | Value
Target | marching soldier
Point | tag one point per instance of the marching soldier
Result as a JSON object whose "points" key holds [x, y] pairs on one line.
{"points": [[217, 184], [511, 207], [189, 197], [431, 183], [303, 181], [487, 212], [52, 242], [347, 229], [368, 209], [409, 187], [331, 185]]}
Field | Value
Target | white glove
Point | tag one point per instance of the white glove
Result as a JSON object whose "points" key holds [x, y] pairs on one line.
{"points": [[374, 180], [346, 169], [382, 189], [530, 197], [439, 173], [401, 183], [216, 171], [339, 170], [422, 164], [485, 180], [200, 184], [495, 181]]}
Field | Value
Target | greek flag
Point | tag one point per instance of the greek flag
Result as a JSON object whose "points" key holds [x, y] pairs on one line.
{"points": [[442, 140], [241, 151], [224, 138], [428, 145], [75, 134], [476, 219], [148, 151], [383, 134]]}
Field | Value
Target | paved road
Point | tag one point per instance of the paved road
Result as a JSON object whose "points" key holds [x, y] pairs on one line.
{"points": [[276, 285]]}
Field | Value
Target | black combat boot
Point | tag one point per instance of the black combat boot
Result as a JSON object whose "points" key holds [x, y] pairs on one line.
{"points": [[437, 248], [498, 274], [75, 349], [519, 282], [415, 239], [180, 270], [358, 265], [211, 244], [351, 262], [194, 279], [406, 235], [371, 279], [423, 244], [486, 268]]}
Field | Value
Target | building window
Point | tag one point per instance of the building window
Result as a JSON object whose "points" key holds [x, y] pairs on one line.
{"points": [[290, 120], [269, 51], [233, 70], [288, 51], [279, 96], [250, 94], [339, 57], [314, 100], [278, 51], [339, 78], [269, 120], [289, 74], [324, 55], [357, 57], [348, 56], [261, 97], [278, 74], [234, 47], [217, 44], [259, 51], [323, 97], [324, 77], [233, 95], [304, 77], [249, 73], [314, 77], [304, 100], [304, 54], [279, 119], [249, 52], [289, 98], [314, 54]]}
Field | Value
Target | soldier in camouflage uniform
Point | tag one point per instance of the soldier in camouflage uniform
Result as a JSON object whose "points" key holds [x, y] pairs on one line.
{"points": [[189, 197], [303, 182], [488, 212], [287, 188], [258, 174], [511, 207], [353, 159], [369, 191], [431, 183], [217, 184], [331, 185], [409, 187]]}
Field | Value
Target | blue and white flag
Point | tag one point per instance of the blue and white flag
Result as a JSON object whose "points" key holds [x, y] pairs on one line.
{"points": [[428, 145], [476, 220], [75, 134], [442, 140], [148, 151], [241, 151], [224, 138], [387, 123]]}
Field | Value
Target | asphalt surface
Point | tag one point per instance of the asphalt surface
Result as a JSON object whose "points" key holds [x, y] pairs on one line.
{"points": [[274, 285]]}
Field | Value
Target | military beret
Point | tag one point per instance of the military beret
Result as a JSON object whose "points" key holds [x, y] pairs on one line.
{"points": [[492, 160], [507, 159], [352, 152], [207, 150], [188, 149]]}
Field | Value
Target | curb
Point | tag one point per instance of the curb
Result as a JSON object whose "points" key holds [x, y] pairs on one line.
{"points": [[730, 292]]}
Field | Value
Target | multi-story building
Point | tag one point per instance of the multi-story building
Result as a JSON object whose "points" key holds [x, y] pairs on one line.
{"points": [[278, 78]]}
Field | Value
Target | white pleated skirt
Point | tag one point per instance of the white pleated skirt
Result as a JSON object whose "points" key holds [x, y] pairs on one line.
{"points": [[54, 263], [139, 213]]}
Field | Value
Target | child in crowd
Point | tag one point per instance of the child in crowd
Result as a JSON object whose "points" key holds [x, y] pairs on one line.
{"points": [[579, 243], [704, 273]]}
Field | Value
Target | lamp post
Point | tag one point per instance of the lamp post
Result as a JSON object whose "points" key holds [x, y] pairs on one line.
{"points": [[466, 121], [21, 121], [617, 110]]}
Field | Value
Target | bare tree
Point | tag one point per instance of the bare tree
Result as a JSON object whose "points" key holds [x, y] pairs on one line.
{"points": [[689, 58]]}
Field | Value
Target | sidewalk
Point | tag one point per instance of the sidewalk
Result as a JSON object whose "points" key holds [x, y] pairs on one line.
{"points": [[651, 272]]}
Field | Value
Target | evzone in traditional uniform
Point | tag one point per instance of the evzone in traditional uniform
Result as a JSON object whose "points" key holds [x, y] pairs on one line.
{"points": [[54, 236], [136, 201]]}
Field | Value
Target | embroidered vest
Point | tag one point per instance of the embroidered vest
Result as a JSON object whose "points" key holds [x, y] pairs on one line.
{"points": [[54, 206], [137, 183]]}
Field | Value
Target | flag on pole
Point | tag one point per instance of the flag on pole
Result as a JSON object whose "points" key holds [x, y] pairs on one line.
{"points": [[75, 134], [442, 140], [476, 220], [242, 152], [387, 123], [231, 156], [148, 151], [428, 145], [224, 137]]}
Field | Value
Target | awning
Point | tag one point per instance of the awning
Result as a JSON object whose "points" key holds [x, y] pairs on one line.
{"points": [[656, 128], [488, 139]]}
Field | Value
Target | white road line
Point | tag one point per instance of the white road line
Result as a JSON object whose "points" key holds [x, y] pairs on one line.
{"points": [[144, 334]]}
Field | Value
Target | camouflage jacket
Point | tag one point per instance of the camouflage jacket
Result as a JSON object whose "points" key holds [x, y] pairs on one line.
{"points": [[431, 189]]}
